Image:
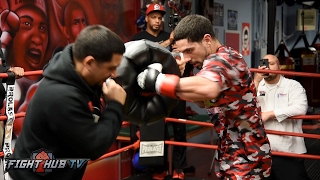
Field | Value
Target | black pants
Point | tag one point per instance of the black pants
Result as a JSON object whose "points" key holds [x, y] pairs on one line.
{"points": [[285, 168], [179, 153]]}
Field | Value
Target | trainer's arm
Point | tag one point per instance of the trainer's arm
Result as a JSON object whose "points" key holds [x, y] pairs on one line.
{"points": [[76, 129], [169, 41]]}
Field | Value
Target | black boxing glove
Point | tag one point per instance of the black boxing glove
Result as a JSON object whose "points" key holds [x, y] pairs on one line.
{"points": [[151, 79]]}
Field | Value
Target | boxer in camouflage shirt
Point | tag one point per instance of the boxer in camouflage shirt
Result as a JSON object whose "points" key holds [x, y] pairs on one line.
{"points": [[225, 87], [244, 150]]}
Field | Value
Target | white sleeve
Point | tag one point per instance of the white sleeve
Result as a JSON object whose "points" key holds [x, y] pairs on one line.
{"points": [[297, 103]]}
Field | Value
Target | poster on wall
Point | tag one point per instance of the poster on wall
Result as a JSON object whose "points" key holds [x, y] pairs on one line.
{"points": [[218, 14], [232, 39], [44, 27], [232, 20], [245, 39]]}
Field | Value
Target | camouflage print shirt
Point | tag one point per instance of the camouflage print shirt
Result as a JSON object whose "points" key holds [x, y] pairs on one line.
{"points": [[244, 149]]}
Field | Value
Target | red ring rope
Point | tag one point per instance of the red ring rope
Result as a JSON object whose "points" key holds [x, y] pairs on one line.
{"points": [[136, 144], [292, 73]]}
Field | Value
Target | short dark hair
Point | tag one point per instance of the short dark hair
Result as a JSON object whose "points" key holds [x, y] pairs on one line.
{"points": [[193, 28], [97, 41]]}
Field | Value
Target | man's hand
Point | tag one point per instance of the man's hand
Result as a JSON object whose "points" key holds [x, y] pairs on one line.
{"points": [[174, 47], [152, 80], [171, 38], [265, 116], [18, 71], [113, 91], [259, 76], [168, 42], [180, 61]]}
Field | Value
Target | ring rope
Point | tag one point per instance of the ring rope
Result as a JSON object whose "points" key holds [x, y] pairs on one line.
{"points": [[306, 135], [27, 73], [276, 153], [18, 115], [136, 144], [305, 117], [314, 136], [118, 151], [292, 73], [311, 127]]}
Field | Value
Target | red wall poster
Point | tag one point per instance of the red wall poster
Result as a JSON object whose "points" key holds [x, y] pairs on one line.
{"points": [[245, 39]]}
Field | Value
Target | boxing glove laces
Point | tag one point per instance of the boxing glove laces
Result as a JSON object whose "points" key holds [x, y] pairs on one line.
{"points": [[151, 79]]}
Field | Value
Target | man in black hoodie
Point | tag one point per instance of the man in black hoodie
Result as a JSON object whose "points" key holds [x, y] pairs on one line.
{"points": [[63, 118]]}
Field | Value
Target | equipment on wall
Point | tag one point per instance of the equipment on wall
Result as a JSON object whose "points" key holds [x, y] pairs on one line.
{"points": [[179, 9], [286, 62], [303, 34], [306, 61], [174, 19], [318, 33]]}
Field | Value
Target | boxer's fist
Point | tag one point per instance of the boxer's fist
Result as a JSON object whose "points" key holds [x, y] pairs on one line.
{"points": [[113, 91], [147, 79], [151, 79], [9, 25]]}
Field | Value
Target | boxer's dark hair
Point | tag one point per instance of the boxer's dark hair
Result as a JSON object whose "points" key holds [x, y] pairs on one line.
{"points": [[193, 28], [97, 41]]}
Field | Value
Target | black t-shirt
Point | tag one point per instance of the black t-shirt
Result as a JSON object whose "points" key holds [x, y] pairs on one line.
{"points": [[162, 36]]}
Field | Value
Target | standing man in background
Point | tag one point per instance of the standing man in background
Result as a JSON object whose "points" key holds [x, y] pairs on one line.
{"points": [[153, 32], [280, 98], [154, 15]]}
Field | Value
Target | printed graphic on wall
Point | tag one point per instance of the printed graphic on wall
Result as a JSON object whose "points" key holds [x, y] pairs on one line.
{"points": [[32, 31], [218, 14], [232, 20], [245, 39]]}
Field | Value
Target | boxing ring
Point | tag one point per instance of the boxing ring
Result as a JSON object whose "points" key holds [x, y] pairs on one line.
{"points": [[135, 145]]}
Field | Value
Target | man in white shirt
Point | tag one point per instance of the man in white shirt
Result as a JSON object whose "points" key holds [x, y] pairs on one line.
{"points": [[280, 98]]}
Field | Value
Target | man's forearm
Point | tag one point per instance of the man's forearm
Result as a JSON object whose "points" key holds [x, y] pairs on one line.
{"points": [[267, 115], [166, 43]]}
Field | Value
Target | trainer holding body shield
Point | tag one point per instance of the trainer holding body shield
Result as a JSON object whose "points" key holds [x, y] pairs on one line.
{"points": [[65, 115]]}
